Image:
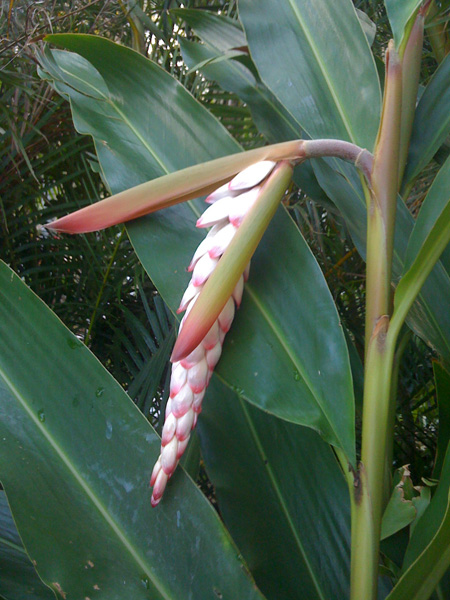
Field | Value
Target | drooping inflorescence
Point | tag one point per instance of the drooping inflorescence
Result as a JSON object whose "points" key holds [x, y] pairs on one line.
{"points": [[190, 375]]}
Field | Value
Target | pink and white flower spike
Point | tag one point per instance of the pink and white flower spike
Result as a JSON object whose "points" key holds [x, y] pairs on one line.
{"points": [[191, 375]]}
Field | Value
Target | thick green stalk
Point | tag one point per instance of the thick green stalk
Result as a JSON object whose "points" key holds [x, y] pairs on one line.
{"points": [[411, 61], [369, 509], [382, 198]]}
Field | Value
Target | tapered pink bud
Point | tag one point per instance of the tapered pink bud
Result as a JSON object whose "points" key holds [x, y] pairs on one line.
{"points": [[178, 379], [238, 291], [169, 456], [227, 315], [182, 401], [213, 355], [155, 472], [221, 192], [184, 426], [216, 213], [158, 487], [212, 337], [197, 376], [252, 175], [182, 445], [198, 399], [222, 240], [193, 358], [205, 246], [203, 269], [191, 292], [170, 427]]}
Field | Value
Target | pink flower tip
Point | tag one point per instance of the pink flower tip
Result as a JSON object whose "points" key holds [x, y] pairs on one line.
{"points": [[154, 501]]}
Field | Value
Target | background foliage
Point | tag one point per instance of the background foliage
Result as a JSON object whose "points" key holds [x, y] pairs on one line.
{"points": [[94, 282]]}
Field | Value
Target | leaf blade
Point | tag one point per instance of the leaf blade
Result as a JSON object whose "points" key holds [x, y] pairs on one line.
{"points": [[302, 69], [66, 477], [431, 122]]}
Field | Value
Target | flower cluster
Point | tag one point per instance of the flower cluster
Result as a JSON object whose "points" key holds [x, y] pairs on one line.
{"points": [[190, 376]]}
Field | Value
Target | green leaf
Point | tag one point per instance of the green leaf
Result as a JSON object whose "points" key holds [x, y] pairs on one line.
{"points": [[19, 580], [229, 55], [428, 554], [400, 14], [431, 122], [429, 316], [303, 371], [270, 116], [327, 92], [218, 31], [75, 459], [240, 78], [400, 510], [442, 383], [263, 465], [430, 215], [368, 26], [428, 240]]}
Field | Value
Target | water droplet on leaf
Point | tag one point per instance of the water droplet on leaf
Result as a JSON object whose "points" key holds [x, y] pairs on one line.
{"points": [[145, 582]]}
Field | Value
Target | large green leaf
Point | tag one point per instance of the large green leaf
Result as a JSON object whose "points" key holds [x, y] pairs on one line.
{"points": [[75, 459], [306, 380], [429, 316], [240, 78], [400, 14], [289, 490], [18, 578], [316, 59], [430, 236], [431, 218], [431, 122], [273, 49], [218, 31]]}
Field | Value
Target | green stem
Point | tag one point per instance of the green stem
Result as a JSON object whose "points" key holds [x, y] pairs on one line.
{"points": [[369, 508], [369, 493], [87, 337], [382, 198]]}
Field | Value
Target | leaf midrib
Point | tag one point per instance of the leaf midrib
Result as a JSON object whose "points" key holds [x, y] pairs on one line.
{"points": [[323, 70], [281, 500]]}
